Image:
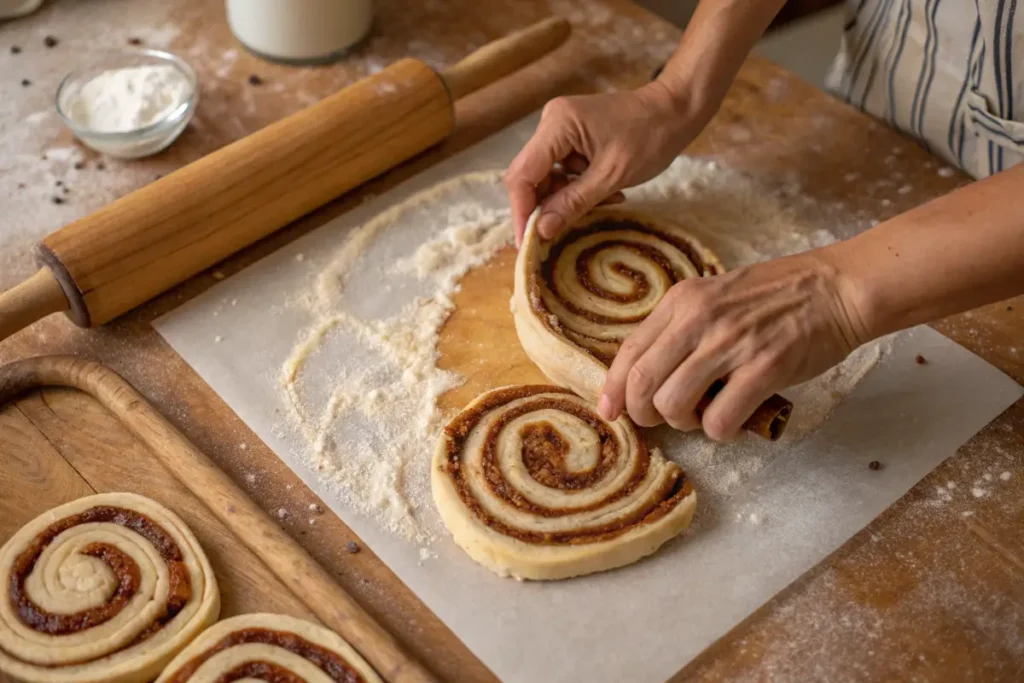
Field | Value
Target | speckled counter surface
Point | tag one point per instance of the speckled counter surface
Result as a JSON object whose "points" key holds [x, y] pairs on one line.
{"points": [[924, 593]]}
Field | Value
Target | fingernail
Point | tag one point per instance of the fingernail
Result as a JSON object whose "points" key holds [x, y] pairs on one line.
{"points": [[549, 224], [604, 408]]}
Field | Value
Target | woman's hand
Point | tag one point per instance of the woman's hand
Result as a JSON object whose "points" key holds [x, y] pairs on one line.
{"points": [[589, 147], [760, 328]]}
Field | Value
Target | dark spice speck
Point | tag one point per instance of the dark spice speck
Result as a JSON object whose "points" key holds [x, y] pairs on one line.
{"points": [[352, 547], [50, 41], [874, 465], [255, 80], [57, 200], [101, 166], [59, 183], [79, 165], [15, 50], [25, 82], [920, 360], [135, 41]]}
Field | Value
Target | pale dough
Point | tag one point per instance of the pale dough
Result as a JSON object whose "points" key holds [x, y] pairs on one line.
{"points": [[572, 328], [562, 493], [207, 659], [68, 578]]}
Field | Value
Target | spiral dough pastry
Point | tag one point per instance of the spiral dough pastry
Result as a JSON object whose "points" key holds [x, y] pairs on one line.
{"points": [[106, 589], [580, 295], [533, 483], [268, 647]]}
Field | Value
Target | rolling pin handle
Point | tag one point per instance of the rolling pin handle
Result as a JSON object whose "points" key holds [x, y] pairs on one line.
{"points": [[499, 58], [35, 298]]}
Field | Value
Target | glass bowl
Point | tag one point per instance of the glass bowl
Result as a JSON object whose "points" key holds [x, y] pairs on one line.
{"points": [[138, 142]]}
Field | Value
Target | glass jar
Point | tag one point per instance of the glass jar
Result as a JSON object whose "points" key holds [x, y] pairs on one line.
{"points": [[300, 31]]}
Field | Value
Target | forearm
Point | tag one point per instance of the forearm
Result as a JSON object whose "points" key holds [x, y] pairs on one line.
{"points": [[717, 40], [958, 252]]}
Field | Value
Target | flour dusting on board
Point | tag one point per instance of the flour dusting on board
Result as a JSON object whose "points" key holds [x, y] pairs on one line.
{"points": [[370, 428], [373, 435]]}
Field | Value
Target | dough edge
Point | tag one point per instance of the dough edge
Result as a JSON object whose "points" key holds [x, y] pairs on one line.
{"points": [[312, 632]]}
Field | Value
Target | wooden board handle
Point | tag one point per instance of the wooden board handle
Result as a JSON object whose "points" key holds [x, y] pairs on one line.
{"points": [[35, 298], [502, 57], [282, 555]]}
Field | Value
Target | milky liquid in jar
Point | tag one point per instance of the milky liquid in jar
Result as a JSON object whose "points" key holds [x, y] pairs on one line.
{"points": [[300, 31]]}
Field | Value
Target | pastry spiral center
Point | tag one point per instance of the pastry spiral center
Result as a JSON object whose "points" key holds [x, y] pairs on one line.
{"points": [[600, 281], [79, 578], [551, 458], [538, 464]]}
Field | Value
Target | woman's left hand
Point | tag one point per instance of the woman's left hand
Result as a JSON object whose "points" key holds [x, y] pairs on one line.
{"points": [[760, 328]]}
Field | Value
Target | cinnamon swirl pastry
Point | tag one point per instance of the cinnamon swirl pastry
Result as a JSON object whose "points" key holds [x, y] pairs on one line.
{"points": [[533, 483], [580, 295], [268, 647], [107, 588]]}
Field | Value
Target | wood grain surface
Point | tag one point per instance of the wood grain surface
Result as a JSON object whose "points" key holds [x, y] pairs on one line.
{"points": [[922, 593], [137, 247], [214, 490]]}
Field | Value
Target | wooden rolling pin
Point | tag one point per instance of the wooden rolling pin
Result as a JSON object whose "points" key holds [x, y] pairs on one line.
{"points": [[121, 256]]}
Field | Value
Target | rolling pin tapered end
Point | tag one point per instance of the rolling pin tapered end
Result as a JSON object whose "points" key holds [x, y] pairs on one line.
{"points": [[33, 299], [770, 419], [499, 58]]}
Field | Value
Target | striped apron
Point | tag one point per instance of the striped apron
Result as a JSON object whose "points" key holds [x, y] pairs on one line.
{"points": [[947, 72]]}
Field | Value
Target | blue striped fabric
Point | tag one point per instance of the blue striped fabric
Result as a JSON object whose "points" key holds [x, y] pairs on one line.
{"points": [[948, 72]]}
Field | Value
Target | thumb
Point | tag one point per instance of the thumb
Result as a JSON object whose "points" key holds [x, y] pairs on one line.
{"points": [[572, 201]]}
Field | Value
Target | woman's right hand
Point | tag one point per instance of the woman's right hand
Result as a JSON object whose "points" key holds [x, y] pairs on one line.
{"points": [[587, 148]]}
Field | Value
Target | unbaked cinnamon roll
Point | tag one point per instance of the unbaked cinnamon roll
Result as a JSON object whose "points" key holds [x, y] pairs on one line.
{"points": [[106, 588], [268, 647], [579, 296], [534, 484]]}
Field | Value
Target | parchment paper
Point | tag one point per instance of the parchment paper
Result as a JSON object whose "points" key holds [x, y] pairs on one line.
{"points": [[644, 622]]}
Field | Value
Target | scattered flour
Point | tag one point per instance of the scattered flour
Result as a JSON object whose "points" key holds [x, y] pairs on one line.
{"points": [[36, 149], [362, 383], [374, 435], [1005, 476]]}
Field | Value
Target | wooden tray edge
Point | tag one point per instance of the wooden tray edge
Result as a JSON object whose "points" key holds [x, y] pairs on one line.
{"points": [[282, 555]]}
